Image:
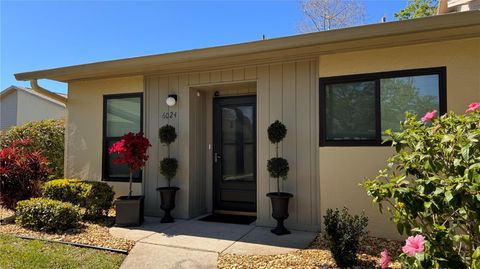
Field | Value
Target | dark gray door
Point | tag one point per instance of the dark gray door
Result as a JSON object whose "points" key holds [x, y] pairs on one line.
{"points": [[234, 153]]}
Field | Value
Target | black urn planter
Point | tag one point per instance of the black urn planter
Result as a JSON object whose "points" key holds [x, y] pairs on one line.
{"points": [[129, 211], [280, 210], [167, 195]]}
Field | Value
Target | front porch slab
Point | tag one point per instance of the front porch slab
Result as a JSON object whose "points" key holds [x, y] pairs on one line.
{"points": [[200, 235], [197, 244], [260, 241], [149, 227]]}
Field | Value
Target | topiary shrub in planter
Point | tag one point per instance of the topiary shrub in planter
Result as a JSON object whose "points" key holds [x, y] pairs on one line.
{"points": [[95, 196], [22, 173], [342, 234], [278, 169], [431, 189], [46, 136], [47, 214], [168, 168], [132, 150]]}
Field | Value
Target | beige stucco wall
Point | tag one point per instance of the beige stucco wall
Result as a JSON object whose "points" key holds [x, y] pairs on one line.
{"points": [[343, 168], [84, 127]]}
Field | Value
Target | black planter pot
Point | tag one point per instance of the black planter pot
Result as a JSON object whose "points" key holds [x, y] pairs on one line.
{"points": [[129, 212], [167, 195], [280, 210]]}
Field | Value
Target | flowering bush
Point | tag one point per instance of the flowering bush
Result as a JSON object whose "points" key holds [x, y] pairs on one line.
{"points": [[46, 136], [132, 150], [22, 173], [431, 186]]}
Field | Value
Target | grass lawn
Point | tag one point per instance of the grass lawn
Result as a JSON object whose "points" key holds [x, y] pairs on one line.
{"points": [[34, 254]]}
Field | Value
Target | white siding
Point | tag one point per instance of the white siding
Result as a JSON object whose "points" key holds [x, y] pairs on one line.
{"points": [[8, 111], [34, 108]]}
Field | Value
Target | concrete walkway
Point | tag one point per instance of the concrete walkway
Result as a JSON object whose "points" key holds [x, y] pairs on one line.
{"points": [[196, 244]]}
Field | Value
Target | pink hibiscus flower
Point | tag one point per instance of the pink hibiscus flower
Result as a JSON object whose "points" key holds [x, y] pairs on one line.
{"points": [[385, 259], [414, 245], [429, 116], [472, 107]]}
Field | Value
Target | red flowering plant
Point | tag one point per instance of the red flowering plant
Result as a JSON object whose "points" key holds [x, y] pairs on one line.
{"points": [[22, 173], [132, 150]]}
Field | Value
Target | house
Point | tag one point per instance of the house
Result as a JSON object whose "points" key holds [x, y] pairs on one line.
{"points": [[19, 105], [448, 6], [336, 91]]}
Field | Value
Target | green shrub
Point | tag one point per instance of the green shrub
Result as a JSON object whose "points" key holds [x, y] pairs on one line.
{"points": [[46, 136], [343, 233], [47, 214], [96, 197], [431, 186]]}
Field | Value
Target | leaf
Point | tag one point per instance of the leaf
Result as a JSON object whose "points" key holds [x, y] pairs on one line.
{"points": [[448, 196]]}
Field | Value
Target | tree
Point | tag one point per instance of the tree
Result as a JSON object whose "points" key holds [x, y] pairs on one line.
{"points": [[418, 9], [321, 15]]}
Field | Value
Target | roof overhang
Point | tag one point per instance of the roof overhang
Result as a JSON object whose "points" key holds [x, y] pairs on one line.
{"points": [[430, 29]]}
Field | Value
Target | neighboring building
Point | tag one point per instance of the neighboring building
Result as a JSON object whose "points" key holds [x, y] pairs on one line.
{"points": [[19, 105], [449, 6], [335, 91]]}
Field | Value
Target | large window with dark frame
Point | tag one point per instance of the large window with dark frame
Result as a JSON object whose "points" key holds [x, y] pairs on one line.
{"points": [[356, 110], [122, 113]]}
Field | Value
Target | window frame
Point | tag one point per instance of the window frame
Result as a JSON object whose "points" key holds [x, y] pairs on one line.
{"points": [[106, 139], [376, 77]]}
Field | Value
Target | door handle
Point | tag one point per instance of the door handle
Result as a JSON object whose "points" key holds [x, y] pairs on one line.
{"points": [[216, 156]]}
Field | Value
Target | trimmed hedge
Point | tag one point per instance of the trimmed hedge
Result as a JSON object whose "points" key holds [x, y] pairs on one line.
{"points": [[96, 197], [42, 213], [46, 136]]}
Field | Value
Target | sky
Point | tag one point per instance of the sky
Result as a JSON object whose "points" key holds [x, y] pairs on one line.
{"points": [[37, 35]]}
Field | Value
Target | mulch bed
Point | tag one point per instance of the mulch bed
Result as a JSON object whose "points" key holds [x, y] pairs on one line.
{"points": [[315, 256], [89, 232]]}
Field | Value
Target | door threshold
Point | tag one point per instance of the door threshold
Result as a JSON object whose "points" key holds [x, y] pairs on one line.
{"points": [[232, 212]]}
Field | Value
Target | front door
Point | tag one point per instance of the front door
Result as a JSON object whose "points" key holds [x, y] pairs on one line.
{"points": [[234, 153]]}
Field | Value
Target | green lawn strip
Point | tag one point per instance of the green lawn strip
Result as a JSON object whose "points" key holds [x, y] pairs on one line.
{"points": [[35, 254]]}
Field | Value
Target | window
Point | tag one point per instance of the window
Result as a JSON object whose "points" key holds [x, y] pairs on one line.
{"points": [[356, 110], [122, 113]]}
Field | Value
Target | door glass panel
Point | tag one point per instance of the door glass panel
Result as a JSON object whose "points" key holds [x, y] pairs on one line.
{"points": [[238, 143]]}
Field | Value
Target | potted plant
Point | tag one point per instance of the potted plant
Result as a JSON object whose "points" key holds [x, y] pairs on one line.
{"points": [[278, 168], [168, 168], [131, 150]]}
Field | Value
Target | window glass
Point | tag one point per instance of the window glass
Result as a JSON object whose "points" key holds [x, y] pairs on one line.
{"points": [[350, 111], [123, 116], [415, 94], [358, 109]]}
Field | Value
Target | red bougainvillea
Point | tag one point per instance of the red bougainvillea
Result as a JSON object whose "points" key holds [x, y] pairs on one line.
{"points": [[132, 150], [22, 173]]}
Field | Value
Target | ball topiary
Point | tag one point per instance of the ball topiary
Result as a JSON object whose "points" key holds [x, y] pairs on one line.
{"points": [[167, 134], [278, 167], [276, 132]]}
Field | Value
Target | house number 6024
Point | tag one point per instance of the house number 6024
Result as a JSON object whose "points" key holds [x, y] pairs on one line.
{"points": [[169, 115]]}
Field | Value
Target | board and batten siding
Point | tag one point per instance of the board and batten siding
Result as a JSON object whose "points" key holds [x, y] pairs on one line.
{"points": [[286, 91]]}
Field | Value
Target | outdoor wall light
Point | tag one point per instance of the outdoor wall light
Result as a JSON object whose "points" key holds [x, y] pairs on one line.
{"points": [[171, 99]]}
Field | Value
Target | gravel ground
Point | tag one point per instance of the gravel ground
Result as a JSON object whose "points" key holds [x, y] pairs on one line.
{"points": [[316, 256], [90, 233]]}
